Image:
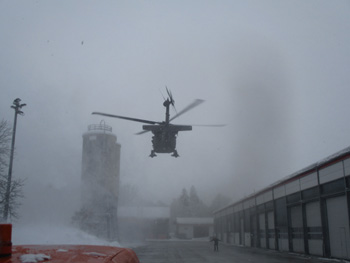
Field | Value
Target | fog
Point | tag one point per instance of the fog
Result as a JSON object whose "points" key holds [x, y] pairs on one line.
{"points": [[275, 72]]}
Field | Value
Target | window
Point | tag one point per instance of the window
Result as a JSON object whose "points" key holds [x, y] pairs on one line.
{"points": [[331, 172], [294, 198], [337, 186], [310, 193], [281, 212]]}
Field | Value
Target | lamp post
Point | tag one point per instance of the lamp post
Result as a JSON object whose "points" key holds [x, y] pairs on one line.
{"points": [[17, 107]]}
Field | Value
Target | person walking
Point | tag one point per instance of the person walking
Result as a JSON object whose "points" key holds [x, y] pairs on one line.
{"points": [[216, 243]]}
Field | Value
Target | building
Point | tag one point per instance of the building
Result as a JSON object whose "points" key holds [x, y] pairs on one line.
{"points": [[306, 212], [138, 223], [100, 181], [194, 227]]}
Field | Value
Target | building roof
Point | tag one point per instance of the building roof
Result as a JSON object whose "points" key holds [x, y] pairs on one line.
{"points": [[194, 220], [293, 176]]}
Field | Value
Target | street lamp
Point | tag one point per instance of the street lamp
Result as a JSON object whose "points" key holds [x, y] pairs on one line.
{"points": [[17, 107]]}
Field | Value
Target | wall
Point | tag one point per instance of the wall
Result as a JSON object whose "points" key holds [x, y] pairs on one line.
{"points": [[296, 214]]}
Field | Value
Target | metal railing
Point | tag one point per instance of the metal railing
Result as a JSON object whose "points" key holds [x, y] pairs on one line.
{"points": [[100, 127]]}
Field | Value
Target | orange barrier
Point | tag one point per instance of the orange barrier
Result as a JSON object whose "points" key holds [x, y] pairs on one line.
{"points": [[71, 253], [5, 240], [60, 253]]}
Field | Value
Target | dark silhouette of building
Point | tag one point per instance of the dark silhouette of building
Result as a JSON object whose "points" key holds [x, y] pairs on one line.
{"points": [[306, 212], [100, 181]]}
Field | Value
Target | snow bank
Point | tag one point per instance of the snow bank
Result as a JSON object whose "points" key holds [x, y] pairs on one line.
{"points": [[33, 258], [45, 234]]}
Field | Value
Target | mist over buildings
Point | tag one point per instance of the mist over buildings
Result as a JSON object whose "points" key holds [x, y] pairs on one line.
{"points": [[275, 72]]}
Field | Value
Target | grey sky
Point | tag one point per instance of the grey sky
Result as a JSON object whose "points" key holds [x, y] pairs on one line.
{"points": [[277, 72]]}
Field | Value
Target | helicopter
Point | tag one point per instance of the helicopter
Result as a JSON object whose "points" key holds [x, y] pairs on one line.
{"points": [[164, 133]]}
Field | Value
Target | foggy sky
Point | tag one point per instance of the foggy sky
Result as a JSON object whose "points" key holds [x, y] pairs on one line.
{"points": [[276, 72]]}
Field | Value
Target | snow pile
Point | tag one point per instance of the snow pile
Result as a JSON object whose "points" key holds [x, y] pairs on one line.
{"points": [[45, 234], [95, 254], [32, 258]]}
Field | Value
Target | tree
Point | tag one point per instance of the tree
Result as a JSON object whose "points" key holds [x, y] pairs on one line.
{"points": [[198, 208], [184, 198], [16, 184], [184, 202], [189, 205], [194, 199], [180, 207]]}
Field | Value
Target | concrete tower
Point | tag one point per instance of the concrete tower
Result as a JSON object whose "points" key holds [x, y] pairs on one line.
{"points": [[100, 180]]}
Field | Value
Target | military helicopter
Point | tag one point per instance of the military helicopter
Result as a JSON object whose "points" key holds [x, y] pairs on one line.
{"points": [[164, 133]]}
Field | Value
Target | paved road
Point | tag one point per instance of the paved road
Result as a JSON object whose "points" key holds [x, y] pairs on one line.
{"points": [[201, 251]]}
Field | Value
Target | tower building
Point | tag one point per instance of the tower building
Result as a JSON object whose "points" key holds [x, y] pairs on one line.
{"points": [[100, 181]]}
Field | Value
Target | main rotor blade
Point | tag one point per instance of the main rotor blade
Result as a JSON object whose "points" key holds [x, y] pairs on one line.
{"points": [[141, 132], [169, 93], [208, 125], [126, 118], [189, 107], [170, 96]]}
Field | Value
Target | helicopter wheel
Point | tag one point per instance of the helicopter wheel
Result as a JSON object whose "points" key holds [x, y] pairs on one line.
{"points": [[175, 154]]}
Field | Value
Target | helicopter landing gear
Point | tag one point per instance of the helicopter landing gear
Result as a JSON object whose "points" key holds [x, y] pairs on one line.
{"points": [[152, 154], [175, 154]]}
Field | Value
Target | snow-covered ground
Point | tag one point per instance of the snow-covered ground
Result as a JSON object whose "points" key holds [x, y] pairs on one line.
{"points": [[46, 234]]}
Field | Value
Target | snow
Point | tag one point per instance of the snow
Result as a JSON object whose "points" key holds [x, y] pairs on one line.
{"points": [[95, 254], [62, 250], [46, 234], [32, 258]]}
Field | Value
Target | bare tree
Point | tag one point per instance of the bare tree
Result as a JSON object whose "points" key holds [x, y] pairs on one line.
{"points": [[16, 184], [15, 195]]}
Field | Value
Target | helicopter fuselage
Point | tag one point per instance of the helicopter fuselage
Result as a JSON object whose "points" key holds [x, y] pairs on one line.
{"points": [[164, 137]]}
